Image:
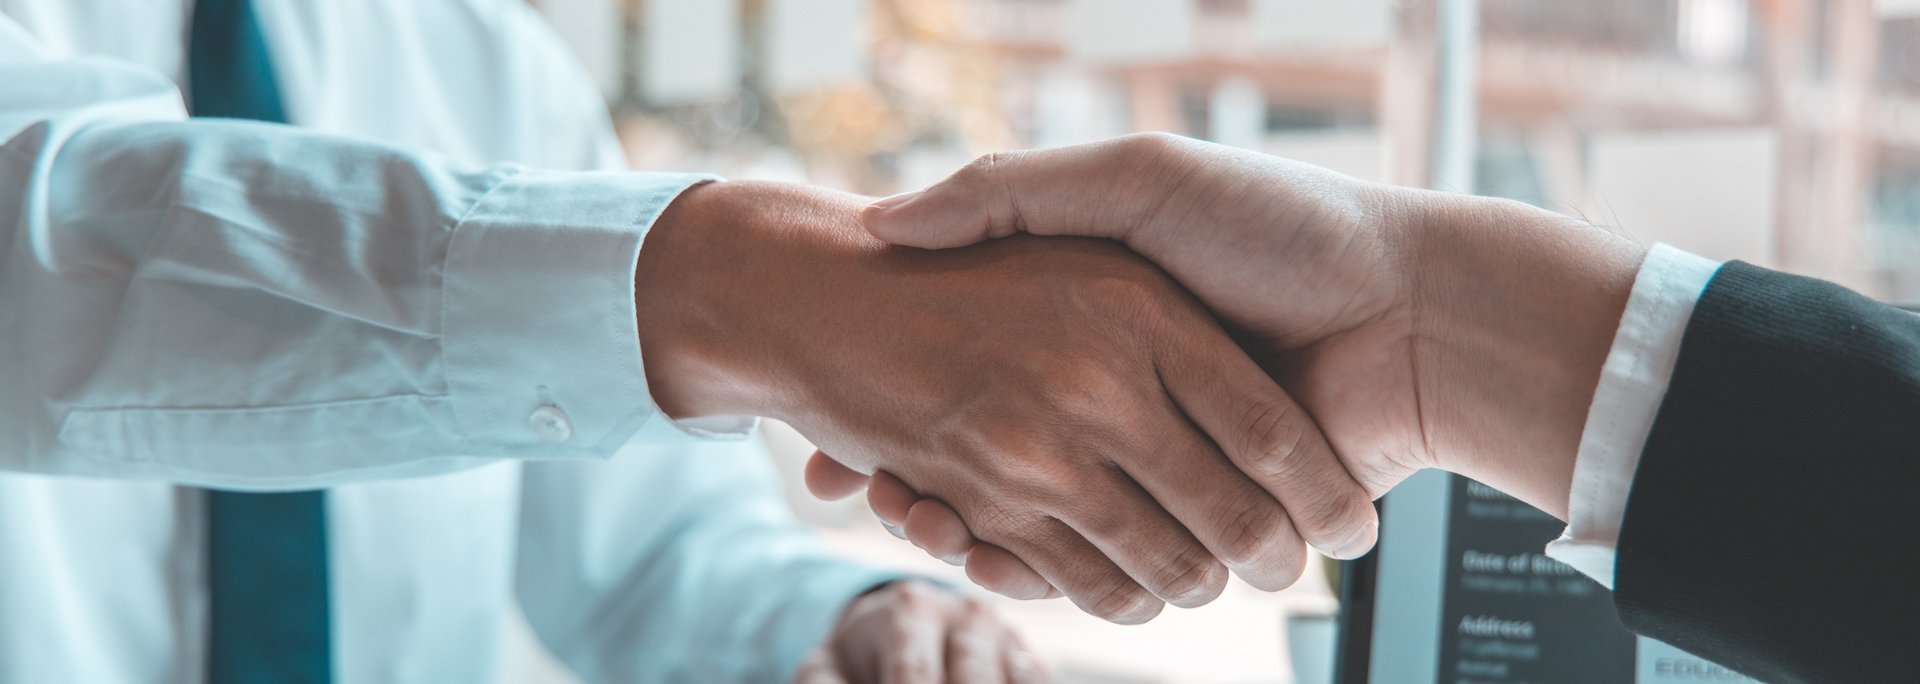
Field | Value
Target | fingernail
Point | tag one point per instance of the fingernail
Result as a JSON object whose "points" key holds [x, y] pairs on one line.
{"points": [[895, 531], [894, 201], [1358, 544]]}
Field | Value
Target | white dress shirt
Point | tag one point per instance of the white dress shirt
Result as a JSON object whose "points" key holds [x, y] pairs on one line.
{"points": [[1632, 384], [380, 293]]}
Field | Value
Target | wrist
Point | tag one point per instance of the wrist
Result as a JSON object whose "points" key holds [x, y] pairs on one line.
{"points": [[730, 281], [1515, 309], [686, 297]]}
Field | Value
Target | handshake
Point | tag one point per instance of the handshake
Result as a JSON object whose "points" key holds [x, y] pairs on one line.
{"points": [[1196, 360]]}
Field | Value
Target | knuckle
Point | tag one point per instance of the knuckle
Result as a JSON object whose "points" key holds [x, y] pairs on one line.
{"points": [[1001, 453], [1052, 482], [1054, 368], [1035, 530], [1286, 570], [1248, 531], [1272, 436], [915, 671], [1123, 603], [1088, 393], [999, 444], [1188, 577], [1277, 451], [1151, 144], [1127, 527], [1330, 517], [974, 607], [1119, 289], [1028, 470], [981, 167], [1150, 165], [1002, 524], [983, 171], [911, 593], [1022, 534]]}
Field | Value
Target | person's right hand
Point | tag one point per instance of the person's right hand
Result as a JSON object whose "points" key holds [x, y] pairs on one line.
{"points": [[1419, 329], [1081, 409]]}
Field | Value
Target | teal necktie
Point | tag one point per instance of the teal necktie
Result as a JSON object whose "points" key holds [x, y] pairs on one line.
{"points": [[266, 553]]}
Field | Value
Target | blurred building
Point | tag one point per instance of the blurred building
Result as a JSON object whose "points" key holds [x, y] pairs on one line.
{"points": [[1783, 132]]}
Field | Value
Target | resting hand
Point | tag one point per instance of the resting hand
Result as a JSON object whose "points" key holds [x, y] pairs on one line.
{"points": [[1419, 329], [915, 633], [1060, 394]]}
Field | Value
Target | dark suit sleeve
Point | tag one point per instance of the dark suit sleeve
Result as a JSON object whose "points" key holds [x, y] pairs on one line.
{"points": [[1774, 521]]}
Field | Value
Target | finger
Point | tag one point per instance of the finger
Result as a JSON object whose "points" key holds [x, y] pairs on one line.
{"points": [[890, 499], [934, 527], [1061, 191], [1272, 439], [1237, 520], [1140, 536], [830, 480], [919, 655], [989, 566], [818, 667], [1024, 667], [1083, 572], [1003, 573], [974, 646]]}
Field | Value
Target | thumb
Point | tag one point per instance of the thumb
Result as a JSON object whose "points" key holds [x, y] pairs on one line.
{"points": [[1084, 190]]}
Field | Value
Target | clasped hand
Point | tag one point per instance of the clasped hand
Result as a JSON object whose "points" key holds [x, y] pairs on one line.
{"points": [[1062, 416], [1064, 396]]}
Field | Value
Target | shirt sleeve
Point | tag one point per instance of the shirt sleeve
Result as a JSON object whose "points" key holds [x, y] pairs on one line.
{"points": [[676, 564], [1632, 384], [248, 305]]}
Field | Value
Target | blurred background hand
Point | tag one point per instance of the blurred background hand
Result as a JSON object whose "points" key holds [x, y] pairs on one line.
{"points": [[912, 632]]}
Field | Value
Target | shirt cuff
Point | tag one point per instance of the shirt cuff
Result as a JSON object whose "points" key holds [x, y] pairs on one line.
{"points": [[1632, 384], [541, 340]]}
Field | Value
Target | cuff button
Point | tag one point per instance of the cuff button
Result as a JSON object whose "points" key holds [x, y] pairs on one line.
{"points": [[551, 424]]}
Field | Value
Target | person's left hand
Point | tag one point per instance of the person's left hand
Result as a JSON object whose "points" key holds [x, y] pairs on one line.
{"points": [[911, 632]]}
